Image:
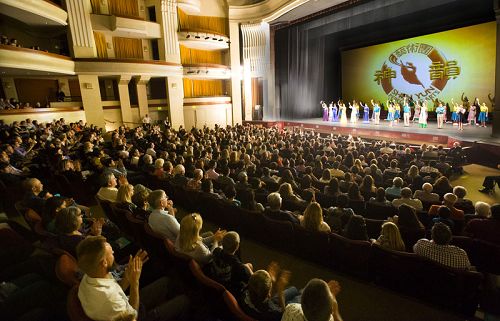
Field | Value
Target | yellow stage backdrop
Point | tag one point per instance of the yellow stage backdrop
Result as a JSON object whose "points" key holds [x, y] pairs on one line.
{"points": [[436, 66]]}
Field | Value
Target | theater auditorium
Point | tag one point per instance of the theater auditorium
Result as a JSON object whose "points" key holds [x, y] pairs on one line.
{"points": [[293, 160]]}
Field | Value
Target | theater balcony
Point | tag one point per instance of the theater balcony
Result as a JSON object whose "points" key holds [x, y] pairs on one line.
{"points": [[132, 67], [24, 61], [127, 27], [206, 71], [189, 6], [35, 12], [202, 40]]}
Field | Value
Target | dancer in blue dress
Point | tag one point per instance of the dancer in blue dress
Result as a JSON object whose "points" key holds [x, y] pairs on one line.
{"points": [[366, 114], [390, 113], [335, 114], [376, 112]]}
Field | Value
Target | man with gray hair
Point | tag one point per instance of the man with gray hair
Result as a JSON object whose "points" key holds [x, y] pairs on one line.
{"points": [[317, 303], [179, 179], [275, 212], [162, 219]]}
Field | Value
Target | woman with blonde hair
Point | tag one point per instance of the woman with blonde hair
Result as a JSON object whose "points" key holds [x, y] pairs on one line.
{"points": [[159, 172], [312, 220], [390, 238], [190, 242], [124, 197]]}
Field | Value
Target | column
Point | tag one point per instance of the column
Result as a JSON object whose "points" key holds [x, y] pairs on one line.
{"points": [[82, 36], [270, 111], [125, 100], [91, 99], [175, 101], [495, 105], [234, 36], [142, 95], [168, 46]]}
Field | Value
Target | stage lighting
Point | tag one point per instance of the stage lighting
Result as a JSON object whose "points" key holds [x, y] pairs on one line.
{"points": [[206, 38], [197, 37], [221, 39], [188, 36]]}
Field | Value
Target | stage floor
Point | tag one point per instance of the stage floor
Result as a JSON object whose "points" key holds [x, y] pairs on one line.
{"points": [[447, 135]]}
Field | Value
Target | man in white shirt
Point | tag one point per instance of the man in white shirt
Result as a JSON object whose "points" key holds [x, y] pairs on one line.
{"points": [[406, 199], [103, 298], [162, 220], [317, 303]]}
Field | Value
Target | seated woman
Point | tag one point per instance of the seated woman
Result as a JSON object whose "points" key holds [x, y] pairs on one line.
{"points": [[442, 186], [50, 211], [158, 171], [354, 193], [194, 184], [332, 189], [312, 220], [287, 194], [190, 242], [407, 219], [355, 229], [124, 197], [379, 198], [287, 177], [368, 188], [247, 199], [142, 208], [325, 177], [390, 238], [69, 225]]}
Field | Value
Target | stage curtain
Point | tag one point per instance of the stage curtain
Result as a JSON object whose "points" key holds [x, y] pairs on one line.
{"points": [[100, 43], [257, 92], [300, 73], [203, 88], [127, 48], [194, 56], [217, 25], [96, 7], [126, 8]]}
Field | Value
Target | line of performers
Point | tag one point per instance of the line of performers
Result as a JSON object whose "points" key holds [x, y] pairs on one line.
{"points": [[339, 112]]}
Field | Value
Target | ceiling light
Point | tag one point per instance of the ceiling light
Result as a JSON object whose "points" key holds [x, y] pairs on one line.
{"points": [[188, 36]]}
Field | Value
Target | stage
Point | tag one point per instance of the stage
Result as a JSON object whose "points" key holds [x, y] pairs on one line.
{"points": [[412, 134]]}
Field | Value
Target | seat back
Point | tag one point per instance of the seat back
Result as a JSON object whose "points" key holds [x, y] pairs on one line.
{"points": [[74, 307], [310, 245], [373, 227], [153, 242], [67, 269], [379, 212], [120, 216], [357, 206], [325, 201], [278, 234], [350, 256], [485, 256], [235, 312], [136, 226], [206, 281]]}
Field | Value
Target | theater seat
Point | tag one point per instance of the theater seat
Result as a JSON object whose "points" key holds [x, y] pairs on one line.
{"points": [[233, 308], [350, 256], [74, 307], [67, 269], [311, 245], [204, 279]]}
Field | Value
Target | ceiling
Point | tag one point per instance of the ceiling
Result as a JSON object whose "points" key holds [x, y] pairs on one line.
{"points": [[27, 17], [242, 2], [308, 8]]}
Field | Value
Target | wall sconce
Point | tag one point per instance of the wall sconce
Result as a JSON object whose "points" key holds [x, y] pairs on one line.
{"points": [[88, 85], [188, 36], [146, 49]]}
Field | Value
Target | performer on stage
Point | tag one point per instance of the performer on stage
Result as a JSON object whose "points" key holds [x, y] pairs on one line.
{"points": [[376, 112], [354, 112], [417, 112], [445, 115], [454, 115], [483, 115], [397, 112], [460, 117], [343, 113], [366, 114], [471, 118], [334, 114], [325, 110], [329, 116], [440, 111], [406, 112], [390, 113], [422, 119]]}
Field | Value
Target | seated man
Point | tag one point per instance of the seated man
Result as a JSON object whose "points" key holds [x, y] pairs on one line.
{"points": [[108, 192], [226, 266], [103, 298], [257, 301], [406, 199], [162, 219], [317, 303], [489, 182], [462, 203], [395, 189], [426, 195], [449, 201], [486, 229], [275, 212], [179, 178], [439, 249], [34, 196]]}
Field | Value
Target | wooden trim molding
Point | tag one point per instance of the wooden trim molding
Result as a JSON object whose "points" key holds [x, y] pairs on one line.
{"points": [[134, 61], [39, 110], [203, 103], [207, 65], [39, 52]]}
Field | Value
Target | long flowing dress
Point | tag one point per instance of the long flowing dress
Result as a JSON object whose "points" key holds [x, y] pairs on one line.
{"points": [[417, 112], [354, 113], [366, 114], [390, 114], [472, 114], [325, 111], [335, 115], [422, 119], [343, 116], [330, 113]]}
